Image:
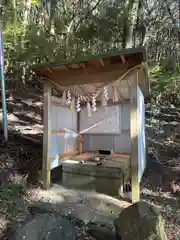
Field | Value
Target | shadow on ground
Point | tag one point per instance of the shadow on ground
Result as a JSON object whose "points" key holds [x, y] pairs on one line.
{"points": [[20, 156]]}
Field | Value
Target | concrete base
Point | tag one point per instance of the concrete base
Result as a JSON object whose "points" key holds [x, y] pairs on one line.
{"points": [[111, 187], [102, 179]]}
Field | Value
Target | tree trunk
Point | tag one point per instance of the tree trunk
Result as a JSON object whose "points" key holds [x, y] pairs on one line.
{"points": [[179, 20], [14, 18], [130, 13], [22, 70]]}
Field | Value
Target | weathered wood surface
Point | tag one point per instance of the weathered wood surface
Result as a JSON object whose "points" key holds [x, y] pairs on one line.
{"points": [[118, 163]]}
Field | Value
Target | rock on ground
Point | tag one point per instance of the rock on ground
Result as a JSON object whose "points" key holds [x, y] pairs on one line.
{"points": [[46, 227], [101, 233], [140, 221]]}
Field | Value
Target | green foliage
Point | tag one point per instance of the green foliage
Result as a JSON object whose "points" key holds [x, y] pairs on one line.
{"points": [[165, 86], [39, 31], [12, 34], [36, 2]]}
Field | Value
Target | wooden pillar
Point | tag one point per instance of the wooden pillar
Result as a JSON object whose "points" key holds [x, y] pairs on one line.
{"points": [[134, 140], [78, 130], [46, 166], [79, 137]]}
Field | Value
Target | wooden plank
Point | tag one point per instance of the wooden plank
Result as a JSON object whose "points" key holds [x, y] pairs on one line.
{"points": [[85, 156], [83, 65], [95, 63], [49, 70], [66, 154], [117, 160], [109, 133], [102, 62], [74, 66], [88, 75], [134, 141], [121, 153], [123, 59], [79, 145], [46, 172], [61, 131], [64, 67], [60, 67]]}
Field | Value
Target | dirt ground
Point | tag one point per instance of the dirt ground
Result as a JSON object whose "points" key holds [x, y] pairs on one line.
{"points": [[20, 164]]}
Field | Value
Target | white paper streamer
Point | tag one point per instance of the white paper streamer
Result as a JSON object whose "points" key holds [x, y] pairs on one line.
{"points": [[103, 100], [68, 97], [78, 106], [115, 94], [94, 109], [89, 109], [106, 93], [64, 98]]}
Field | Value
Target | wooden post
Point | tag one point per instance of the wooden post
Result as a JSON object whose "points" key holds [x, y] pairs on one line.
{"points": [[46, 166], [134, 140], [79, 137], [78, 130]]}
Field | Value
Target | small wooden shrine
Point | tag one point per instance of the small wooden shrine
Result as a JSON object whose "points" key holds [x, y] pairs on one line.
{"points": [[98, 121]]}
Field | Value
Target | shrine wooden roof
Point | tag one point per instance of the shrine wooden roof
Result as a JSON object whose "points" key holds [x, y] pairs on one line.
{"points": [[101, 68]]}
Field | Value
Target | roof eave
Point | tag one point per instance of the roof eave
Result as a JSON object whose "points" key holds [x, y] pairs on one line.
{"points": [[127, 51]]}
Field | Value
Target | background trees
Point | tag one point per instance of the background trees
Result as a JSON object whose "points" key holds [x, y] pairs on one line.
{"points": [[44, 30]]}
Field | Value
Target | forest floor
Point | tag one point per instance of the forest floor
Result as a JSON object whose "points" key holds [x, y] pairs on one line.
{"points": [[21, 156]]}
